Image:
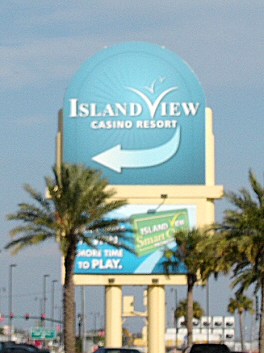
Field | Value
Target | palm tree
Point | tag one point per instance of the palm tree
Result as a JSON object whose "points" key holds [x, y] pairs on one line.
{"points": [[79, 200], [241, 303], [181, 310], [187, 252], [241, 242]]}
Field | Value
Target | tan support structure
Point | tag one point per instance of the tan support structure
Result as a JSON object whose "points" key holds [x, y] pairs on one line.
{"points": [[156, 319], [113, 316], [200, 196]]}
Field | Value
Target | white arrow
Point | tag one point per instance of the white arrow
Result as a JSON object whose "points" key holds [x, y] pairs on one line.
{"points": [[115, 158]]}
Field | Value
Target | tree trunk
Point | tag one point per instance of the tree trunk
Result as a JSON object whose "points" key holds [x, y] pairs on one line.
{"points": [[261, 325], [190, 284], [69, 303], [242, 335]]}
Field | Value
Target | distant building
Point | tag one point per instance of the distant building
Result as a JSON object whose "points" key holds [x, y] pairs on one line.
{"points": [[214, 329]]}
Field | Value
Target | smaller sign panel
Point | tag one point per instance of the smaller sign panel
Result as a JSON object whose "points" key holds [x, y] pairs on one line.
{"points": [[42, 333], [152, 233]]}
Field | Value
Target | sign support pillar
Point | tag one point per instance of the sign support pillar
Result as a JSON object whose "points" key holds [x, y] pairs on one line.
{"points": [[156, 319], [113, 316]]}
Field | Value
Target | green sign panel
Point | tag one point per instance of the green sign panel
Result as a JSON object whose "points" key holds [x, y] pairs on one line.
{"points": [[42, 333], [152, 231]]}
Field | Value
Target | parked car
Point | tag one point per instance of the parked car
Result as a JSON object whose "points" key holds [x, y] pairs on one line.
{"points": [[116, 350], [209, 348], [31, 348], [12, 347]]}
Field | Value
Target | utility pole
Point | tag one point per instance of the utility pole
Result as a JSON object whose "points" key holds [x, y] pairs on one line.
{"points": [[83, 321], [11, 299], [44, 298]]}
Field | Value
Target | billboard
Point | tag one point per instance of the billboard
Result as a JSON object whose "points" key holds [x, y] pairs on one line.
{"points": [[136, 111], [152, 233]]}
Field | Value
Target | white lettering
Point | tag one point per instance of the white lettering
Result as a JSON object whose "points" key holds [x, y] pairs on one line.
{"points": [[107, 264], [113, 253], [153, 124], [174, 106], [93, 108], [121, 108], [135, 109], [155, 228], [178, 223], [111, 124], [190, 108], [84, 264], [163, 109], [73, 108], [83, 108], [89, 253], [108, 110], [131, 109]]}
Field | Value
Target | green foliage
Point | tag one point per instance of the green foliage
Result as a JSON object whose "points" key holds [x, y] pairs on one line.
{"points": [[240, 304], [236, 246], [187, 252], [79, 200], [181, 310], [241, 236], [239, 245]]}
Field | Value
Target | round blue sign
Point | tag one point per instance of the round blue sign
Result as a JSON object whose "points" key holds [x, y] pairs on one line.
{"points": [[137, 112]]}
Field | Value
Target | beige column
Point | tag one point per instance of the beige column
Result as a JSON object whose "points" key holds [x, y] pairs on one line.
{"points": [[113, 316], [156, 319], [210, 149]]}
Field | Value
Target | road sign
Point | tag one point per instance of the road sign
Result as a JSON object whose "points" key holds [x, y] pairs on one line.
{"points": [[42, 333]]}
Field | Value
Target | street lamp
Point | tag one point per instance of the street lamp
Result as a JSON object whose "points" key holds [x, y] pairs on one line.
{"points": [[39, 304], [83, 320], [10, 298], [163, 197], [96, 314], [175, 318], [208, 311], [44, 298], [52, 301], [1, 290]]}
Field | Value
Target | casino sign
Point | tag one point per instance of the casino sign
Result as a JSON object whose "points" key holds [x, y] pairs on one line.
{"points": [[137, 112]]}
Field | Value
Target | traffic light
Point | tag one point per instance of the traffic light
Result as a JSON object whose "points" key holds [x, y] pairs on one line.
{"points": [[79, 318], [11, 315], [42, 317], [26, 316]]}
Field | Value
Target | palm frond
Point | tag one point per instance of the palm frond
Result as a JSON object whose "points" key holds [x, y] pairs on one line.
{"points": [[27, 240]]}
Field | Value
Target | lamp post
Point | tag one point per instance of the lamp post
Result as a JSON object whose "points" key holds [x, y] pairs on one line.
{"points": [[44, 298], [52, 301], [10, 298], [95, 314], [83, 320], [175, 319], [1, 290], [163, 197], [208, 311]]}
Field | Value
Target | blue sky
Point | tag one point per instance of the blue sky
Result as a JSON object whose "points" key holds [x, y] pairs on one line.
{"points": [[43, 43]]}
